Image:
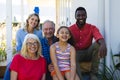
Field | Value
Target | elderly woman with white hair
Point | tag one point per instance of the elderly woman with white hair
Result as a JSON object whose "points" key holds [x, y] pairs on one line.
{"points": [[29, 63]]}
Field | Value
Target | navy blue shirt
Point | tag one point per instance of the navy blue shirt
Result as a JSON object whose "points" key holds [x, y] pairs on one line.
{"points": [[46, 49]]}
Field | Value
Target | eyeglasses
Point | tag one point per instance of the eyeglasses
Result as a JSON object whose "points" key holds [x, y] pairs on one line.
{"points": [[30, 44]]}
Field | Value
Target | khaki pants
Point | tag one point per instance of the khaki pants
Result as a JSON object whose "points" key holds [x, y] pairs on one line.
{"points": [[88, 55]]}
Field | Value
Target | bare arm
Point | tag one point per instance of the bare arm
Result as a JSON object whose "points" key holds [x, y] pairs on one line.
{"points": [[50, 67], [54, 61], [13, 75], [43, 77], [102, 50], [73, 63]]}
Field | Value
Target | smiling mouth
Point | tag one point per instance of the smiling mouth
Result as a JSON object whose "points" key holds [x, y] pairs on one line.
{"points": [[81, 20]]}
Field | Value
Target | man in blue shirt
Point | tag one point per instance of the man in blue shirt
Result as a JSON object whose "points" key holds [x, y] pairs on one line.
{"points": [[48, 39]]}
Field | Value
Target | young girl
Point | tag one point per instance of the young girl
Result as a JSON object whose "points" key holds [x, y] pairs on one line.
{"points": [[63, 56]]}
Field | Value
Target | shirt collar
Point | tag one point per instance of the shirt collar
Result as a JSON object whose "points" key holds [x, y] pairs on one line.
{"points": [[79, 28], [53, 39]]}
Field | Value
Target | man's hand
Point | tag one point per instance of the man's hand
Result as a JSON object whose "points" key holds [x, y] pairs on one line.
{"points": [[50, 67], [102, 49]]}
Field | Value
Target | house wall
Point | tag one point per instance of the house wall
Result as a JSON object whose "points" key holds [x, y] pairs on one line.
{"points": [[105, 15], [115, 25], [91, 7]]}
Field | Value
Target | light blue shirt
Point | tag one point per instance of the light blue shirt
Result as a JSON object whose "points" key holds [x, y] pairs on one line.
{"points": [[20, 35]]}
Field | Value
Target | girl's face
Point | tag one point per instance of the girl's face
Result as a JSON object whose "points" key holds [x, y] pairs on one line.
{"points": [[32, 46], [63, 34], [33, 21]]}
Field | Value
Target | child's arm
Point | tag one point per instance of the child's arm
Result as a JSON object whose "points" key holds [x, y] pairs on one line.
{"points": [[73, 63], [54, 61]]}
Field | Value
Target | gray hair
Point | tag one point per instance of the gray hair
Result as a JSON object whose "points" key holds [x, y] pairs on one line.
{"points": [[48, 21]]}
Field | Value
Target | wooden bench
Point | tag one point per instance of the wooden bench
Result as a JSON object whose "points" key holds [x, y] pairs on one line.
{"points": [[2, 71], [2, 68]]}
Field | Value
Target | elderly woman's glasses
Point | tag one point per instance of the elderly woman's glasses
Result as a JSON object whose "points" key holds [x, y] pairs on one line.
{"points": [[30, 44]]}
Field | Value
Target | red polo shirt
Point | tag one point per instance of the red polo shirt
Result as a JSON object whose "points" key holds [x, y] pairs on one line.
{"points": [[83, 37]]}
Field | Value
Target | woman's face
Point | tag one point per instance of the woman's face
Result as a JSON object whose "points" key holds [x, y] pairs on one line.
{"points": [[32, 46], [33, 21]]}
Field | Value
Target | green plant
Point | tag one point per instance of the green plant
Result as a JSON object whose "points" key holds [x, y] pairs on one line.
{"points": [[2, 51], [14, 44], [2, 54], [110, 73]]}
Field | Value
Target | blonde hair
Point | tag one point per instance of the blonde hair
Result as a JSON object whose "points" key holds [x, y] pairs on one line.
{"points": [[37, 26], [24, 46]]}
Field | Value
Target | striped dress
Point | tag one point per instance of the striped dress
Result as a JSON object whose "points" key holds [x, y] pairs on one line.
{"points": [[63, 57]]}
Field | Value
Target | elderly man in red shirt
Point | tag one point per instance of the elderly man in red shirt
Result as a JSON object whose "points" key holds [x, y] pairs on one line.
{"points": [[83, 34]]}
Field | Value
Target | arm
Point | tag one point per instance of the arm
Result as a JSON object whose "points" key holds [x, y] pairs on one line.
{"points": [[73, 63], [102, 50], [43, 77], [54, 61], [50, 67], [13, 75], [99, 38], [18, 41]]}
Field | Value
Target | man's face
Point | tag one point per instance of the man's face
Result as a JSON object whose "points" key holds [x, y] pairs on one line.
{"points": [[48, 30], [80, 17]]}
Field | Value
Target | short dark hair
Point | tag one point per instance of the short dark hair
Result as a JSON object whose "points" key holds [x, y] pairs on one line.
{"points": [[80, 8]]}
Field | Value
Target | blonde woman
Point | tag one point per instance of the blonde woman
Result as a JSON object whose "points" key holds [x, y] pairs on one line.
{"points": [[32, 26], [29, 64]]}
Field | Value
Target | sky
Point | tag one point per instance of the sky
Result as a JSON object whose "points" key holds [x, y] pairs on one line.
{"points": [[47, 11]]}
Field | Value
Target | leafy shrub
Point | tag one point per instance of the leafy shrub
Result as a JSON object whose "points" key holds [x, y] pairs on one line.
{"points": [[2, 51], [110, 72]]}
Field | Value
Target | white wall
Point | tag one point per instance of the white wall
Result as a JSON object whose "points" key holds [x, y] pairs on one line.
{"points": [[115, 25], [91, 7], [95, 12], [105, 14], [3, 12], [104, 19], [47, 9]]}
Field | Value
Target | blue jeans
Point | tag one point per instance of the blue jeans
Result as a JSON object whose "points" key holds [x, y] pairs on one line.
{"points": [[7, 72]]}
